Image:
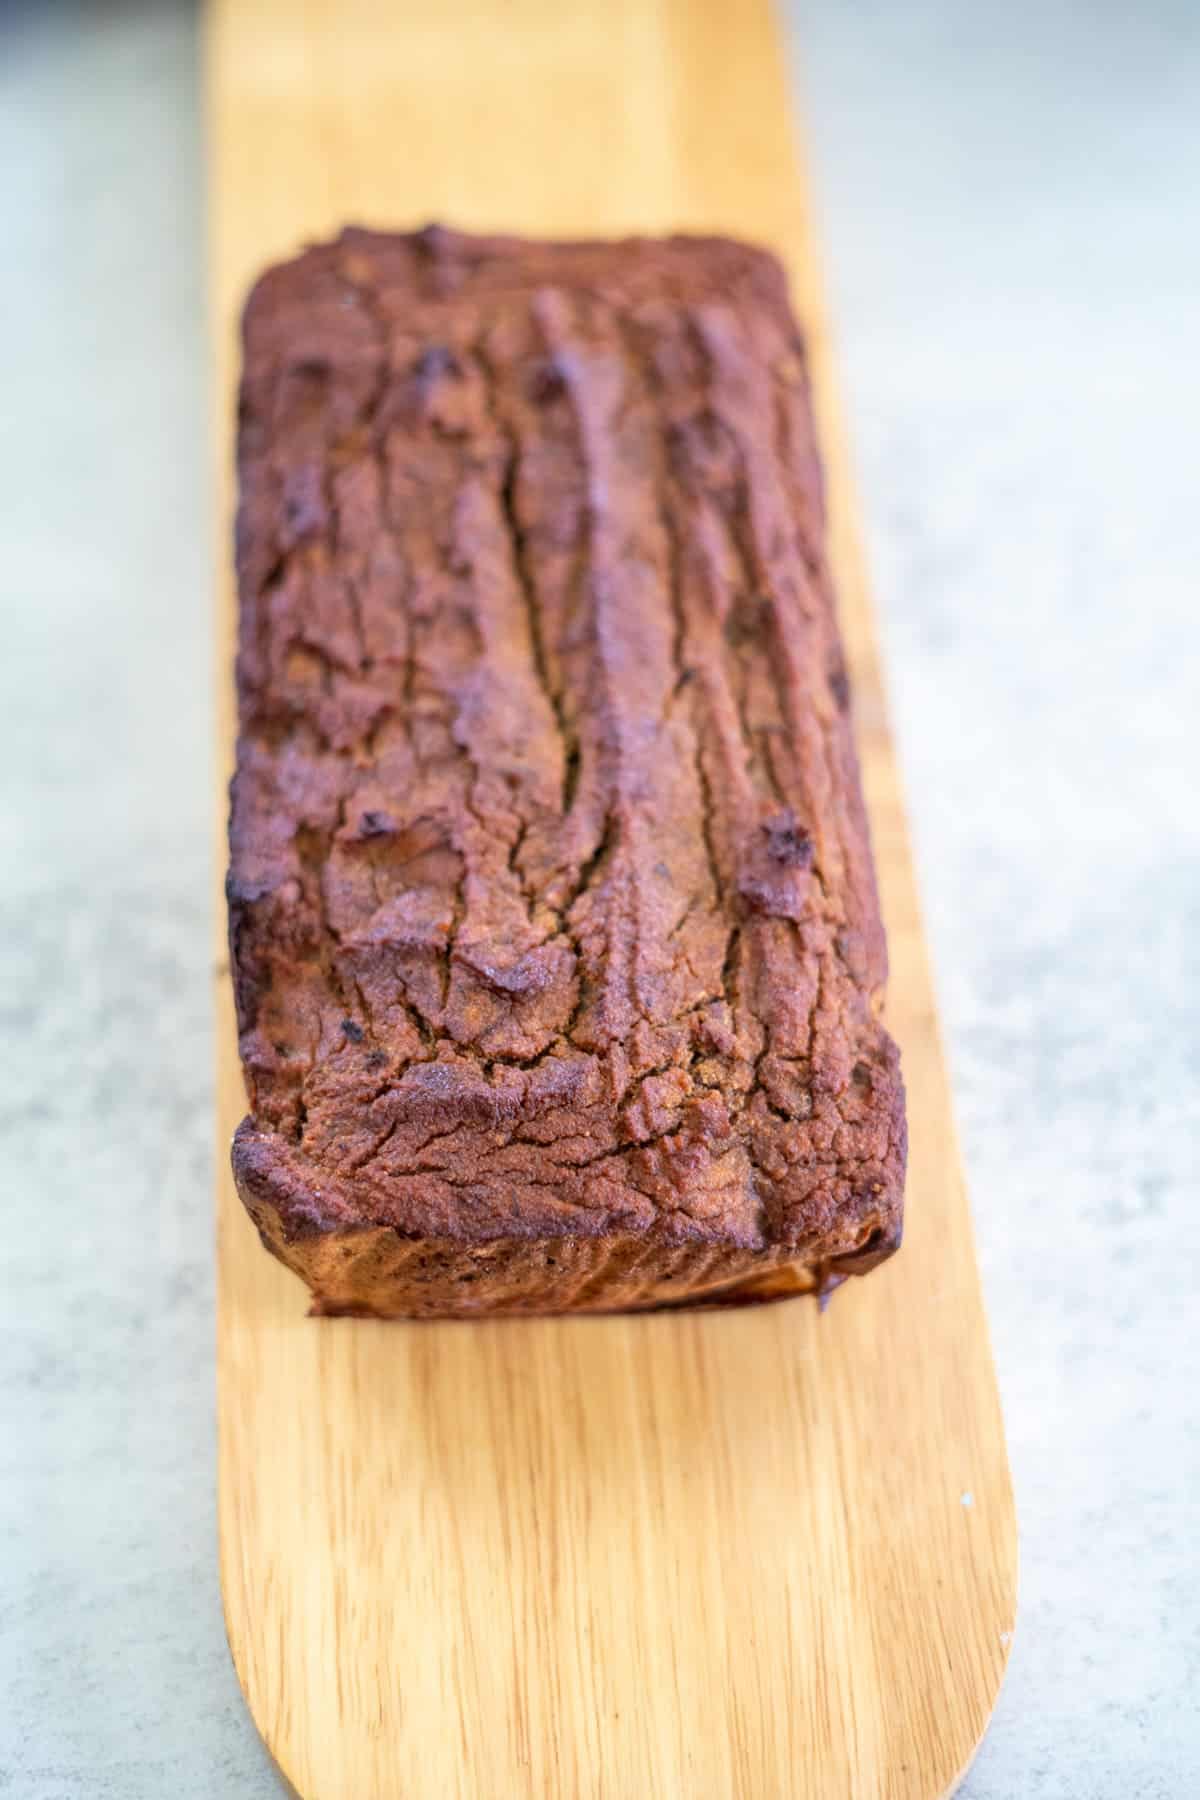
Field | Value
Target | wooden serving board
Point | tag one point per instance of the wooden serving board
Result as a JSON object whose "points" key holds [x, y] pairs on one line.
{"points": [[757, 1553]]}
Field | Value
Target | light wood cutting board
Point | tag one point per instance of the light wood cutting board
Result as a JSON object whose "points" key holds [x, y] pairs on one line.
{"points": [[758, 1553]]}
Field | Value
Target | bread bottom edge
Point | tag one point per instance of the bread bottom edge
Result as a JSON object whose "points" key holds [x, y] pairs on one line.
{"points": [[372, 1272]]}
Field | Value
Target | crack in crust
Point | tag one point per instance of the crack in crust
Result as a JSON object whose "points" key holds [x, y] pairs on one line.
{"points": [[552, 911]]}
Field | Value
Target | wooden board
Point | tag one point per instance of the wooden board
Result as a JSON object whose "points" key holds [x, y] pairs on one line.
{"points": [[759, 1554]]}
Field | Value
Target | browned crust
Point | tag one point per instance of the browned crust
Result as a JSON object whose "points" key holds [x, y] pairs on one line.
{"points": [[556, 946]]}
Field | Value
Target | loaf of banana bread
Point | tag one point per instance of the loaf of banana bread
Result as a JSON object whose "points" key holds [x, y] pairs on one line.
{"points": [[555, 940]]}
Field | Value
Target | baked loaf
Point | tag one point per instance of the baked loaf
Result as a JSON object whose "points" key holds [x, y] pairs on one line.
{"points": [[555, 939]]}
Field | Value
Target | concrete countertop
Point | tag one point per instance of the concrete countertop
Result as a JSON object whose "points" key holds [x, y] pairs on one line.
{"points": [[1009, 202]]}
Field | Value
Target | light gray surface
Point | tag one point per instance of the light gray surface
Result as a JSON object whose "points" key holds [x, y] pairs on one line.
{"points": [[1010, 204], [1009, 196], [115, 1681]]}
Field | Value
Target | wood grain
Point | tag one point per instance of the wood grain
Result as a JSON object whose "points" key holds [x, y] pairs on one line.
{"points": [[755, 1554]]}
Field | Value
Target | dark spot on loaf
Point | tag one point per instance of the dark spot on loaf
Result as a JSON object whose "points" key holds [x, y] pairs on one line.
{"points": [[546, 382], [702, 452], [241, 890], [353, 1030], [433, 240], [861, 1076], [788, 844], [439, 360], [304, 511], [377, 1059], [774, 866], [375, 824], [748, 620], [839, 684]]}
